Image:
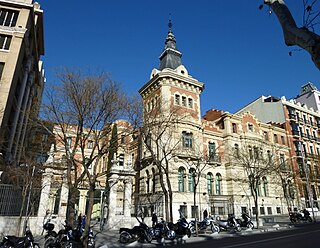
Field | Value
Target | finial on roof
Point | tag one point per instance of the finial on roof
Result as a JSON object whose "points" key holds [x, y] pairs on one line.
{"points": [[170, 23]]}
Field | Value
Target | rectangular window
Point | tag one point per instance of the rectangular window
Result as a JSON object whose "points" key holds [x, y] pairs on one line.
{"points": [[212, 150], [266, 137], [68, 141], [183, 211], [269, 209], [234, 127], [190, 103], [5, 41], [250, 127], [311, 150], [194, 212], [121, 159], [278, 209], [186, 140], [122, 139], [8, 17], [282, 140], [177, 99], [275, 138], [220, 210], [184, 101], [243, 210], [254, 211], [90, 144], [262, 210]]}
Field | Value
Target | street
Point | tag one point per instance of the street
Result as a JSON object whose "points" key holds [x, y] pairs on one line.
{"points": [[302, 235]]}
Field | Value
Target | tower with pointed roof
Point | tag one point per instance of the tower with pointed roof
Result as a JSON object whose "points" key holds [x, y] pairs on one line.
{"points": [[171, 99]]}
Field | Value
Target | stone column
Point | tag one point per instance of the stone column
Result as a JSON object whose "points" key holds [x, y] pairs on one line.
{"points": [[83, 201], [44, 207], [112, 203], [127, 197], [64, 197]]}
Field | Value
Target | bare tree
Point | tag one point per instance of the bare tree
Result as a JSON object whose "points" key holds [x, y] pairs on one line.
{"points": [[255, 166], [199, 162], [304, 37], [83, 106], [159, 135]]}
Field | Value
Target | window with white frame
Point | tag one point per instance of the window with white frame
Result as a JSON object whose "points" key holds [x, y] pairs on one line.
{"points": [[8, 17], [177, 99], [181, 177], [190, 103], [211, 150], [184, 101], [5, 41], [186, 140], [218, 184], [90, 143]]}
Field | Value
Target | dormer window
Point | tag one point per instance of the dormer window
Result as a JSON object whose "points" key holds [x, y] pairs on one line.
{"points": [[250, 127]]}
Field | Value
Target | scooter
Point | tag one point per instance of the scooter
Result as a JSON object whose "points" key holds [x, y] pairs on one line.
{"points": [[229, 224], [245, 221]]}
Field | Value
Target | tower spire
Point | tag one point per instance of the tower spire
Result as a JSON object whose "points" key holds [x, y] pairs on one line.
{"points": [[171, 56]]}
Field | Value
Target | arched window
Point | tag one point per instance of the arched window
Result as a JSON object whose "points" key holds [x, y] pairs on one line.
{"points": [[153, 180], [147, 182], [191, 179], [181, 176], [218, 184], [209, 183], [236, 150], [264, 186]]}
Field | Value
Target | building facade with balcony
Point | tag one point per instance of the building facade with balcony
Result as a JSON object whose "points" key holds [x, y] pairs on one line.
{"points": [[300, 117]]}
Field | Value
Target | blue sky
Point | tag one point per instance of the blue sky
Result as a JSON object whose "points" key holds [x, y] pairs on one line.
{"points": [[233, 47]]}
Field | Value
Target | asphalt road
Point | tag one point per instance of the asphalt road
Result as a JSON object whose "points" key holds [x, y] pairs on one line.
{"points": [[305, 235]]}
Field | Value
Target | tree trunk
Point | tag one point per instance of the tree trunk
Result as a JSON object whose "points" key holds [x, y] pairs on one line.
{"points": [[293, 35], [71, 205], [88, 215]]}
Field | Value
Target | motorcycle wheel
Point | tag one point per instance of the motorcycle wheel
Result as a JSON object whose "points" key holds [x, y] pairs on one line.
{"points": [[170, 234], [293, 220], [91, 243], [188, 233], [250, 225], [48, 243], [309, 219], [192, 230], [238, 229], [215, 229], [124, 237]]}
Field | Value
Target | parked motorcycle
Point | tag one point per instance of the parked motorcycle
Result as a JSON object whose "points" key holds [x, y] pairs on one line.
{"points": [[181, 228], [229, 224], [142, 233], [303, 215], [204, 225], [245, 221], [66, 237], [162, 230], [19, 242]]}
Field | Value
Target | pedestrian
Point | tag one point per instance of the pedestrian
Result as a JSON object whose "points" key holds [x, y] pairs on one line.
{"points": [[154, 219], [83, 223], [79, 222], [205, 214]]}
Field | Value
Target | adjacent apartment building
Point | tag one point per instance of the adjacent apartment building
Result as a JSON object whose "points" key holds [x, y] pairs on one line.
{"points": [[21, 73], [301, 119]]}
